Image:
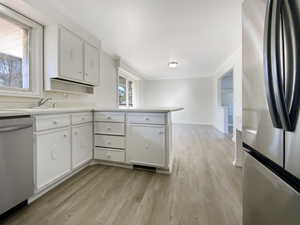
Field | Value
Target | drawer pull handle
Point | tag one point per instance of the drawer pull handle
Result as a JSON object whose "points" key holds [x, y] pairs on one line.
{"points": [[53, 155]]}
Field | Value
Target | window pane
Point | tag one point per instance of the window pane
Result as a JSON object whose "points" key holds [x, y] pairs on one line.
{"points": [[14, 55], [122, 91], [130, 90]]}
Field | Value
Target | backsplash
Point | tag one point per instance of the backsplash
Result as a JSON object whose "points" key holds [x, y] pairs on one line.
{"points": [[60, 100]]}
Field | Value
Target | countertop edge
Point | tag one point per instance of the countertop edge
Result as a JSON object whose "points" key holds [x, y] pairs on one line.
{"points": [[33, 112], [140, 110]]}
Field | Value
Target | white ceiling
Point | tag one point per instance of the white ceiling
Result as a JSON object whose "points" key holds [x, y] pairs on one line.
{"points": [[199, 34]]}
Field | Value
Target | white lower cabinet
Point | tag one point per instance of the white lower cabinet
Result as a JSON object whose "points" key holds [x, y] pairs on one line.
{"points": [[82, 144], [108, 154], [53, 156], [62, 146], [146, 145], [64, 143]]}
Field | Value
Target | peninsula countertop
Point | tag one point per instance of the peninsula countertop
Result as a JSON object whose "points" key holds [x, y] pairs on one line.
{"points": [[149, 110], [40, 111]]}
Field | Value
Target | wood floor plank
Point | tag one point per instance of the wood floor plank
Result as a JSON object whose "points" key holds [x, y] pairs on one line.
{"points": [[204, 189]]}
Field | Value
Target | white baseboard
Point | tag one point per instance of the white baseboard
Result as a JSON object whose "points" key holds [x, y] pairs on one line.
{"points": [[222, 131], [192, 123]]}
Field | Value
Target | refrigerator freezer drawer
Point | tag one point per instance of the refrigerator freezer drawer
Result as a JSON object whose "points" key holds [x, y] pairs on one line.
{"points": [[267, 200]]}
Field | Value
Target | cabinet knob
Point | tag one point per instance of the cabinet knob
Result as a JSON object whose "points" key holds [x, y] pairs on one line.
{"points": [[82, 118], [75, 132], [86, 74], [55, 122], [147, 119], [65, 136], [108, 143], [161, 132], [108, 156], [109, 118], [109, 129]]}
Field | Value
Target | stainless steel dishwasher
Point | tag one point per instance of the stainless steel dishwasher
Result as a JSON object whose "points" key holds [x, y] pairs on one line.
{"points": [[16, 161]]}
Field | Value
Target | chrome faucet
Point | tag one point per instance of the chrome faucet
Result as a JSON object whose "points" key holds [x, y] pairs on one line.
{"points": [[43, 101]]}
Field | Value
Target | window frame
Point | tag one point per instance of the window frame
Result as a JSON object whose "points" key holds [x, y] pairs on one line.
{"points": [[129, 78], [126, 91], [35, 48]]}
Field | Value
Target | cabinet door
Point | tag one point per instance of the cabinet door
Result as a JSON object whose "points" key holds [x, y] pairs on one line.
{"points": [[146, 145], [53, 152], [71, 55], [91, 64], [82, 144]]}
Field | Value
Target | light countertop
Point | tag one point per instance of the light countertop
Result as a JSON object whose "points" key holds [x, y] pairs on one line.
{"points": [[40, 111], [155, 110]]}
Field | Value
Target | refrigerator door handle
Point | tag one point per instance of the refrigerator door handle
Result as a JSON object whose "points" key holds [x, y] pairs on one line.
{"points": [[291, 26], [276, 56], [269, 82]]}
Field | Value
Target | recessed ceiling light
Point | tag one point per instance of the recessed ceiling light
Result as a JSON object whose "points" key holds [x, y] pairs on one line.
{"points": [[173, 64]]}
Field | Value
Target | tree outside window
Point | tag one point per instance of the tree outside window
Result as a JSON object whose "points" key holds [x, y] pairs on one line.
{"points": [[14, 55]]}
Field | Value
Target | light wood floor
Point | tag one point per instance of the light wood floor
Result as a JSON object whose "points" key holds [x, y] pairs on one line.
{"points": [[204, 189]]}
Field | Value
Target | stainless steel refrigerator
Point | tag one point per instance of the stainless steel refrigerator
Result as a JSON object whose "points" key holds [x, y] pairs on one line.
{"points": [[271, 103]]}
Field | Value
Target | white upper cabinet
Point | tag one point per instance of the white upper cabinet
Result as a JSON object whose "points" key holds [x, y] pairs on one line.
{"points": [[91, 63], [71, 55]]}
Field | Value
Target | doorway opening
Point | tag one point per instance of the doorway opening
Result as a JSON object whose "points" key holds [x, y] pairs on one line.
{"points": [[226, 85]]}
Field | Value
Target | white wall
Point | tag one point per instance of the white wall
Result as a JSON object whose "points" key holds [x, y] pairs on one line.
{"points": [[234, 62], [195, 95]]}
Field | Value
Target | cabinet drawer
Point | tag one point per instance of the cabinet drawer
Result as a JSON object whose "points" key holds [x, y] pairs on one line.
{"points": [[51, 122], [109, 154], [110, 117], [109, 128], [110, 141], [146, 118], [79, 118]]}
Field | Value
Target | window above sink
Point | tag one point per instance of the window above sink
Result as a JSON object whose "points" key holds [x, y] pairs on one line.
{"points": [[21, 54]]}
